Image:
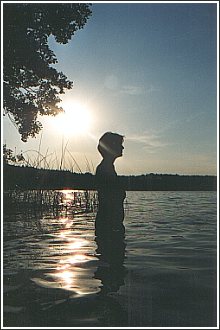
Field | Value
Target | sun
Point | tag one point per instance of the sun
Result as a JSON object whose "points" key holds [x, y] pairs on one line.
{"points": [[76, 119]]}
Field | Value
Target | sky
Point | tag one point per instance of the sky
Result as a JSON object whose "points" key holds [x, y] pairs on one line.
{"points": [[146, 71]]}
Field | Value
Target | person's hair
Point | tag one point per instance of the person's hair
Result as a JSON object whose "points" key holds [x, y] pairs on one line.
{"points": [[109, 142]]}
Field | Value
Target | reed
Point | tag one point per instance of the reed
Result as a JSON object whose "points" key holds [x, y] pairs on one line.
{"points": [[73, 202], [49, 160], [77, 202]]}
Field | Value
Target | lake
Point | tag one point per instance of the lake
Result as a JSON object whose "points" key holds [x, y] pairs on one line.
{"points": [[163, 274]]}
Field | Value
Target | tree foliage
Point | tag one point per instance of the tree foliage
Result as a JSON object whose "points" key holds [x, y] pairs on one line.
{"points": [[32, 86], [9, 157]]}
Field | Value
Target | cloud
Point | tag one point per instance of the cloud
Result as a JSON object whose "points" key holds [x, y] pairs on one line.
{"points": [[113, 83], [149, 141], [138, 90], [152, 89], [131, 90]]}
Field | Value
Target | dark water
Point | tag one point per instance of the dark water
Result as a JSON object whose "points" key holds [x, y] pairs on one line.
{"points": [[162, 275]]}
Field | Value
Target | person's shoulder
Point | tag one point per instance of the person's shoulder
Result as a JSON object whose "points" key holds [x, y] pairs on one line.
{"points": [[99, 169]]}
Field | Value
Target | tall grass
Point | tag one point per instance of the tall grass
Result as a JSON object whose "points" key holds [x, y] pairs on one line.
{"points": [[82, 201], [50, 160], [74, 202]]}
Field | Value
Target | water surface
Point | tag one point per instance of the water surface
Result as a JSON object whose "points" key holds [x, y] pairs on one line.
{"points": [[163, 274]]}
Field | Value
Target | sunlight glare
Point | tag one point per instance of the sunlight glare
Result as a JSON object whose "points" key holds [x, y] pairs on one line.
{"points": [[75, 120]]}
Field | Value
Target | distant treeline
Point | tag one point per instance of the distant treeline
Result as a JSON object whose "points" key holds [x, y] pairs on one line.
{"points": [[29, 178]]}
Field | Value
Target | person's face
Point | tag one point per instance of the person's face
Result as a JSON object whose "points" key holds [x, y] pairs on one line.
{"points": [[118, 150]]}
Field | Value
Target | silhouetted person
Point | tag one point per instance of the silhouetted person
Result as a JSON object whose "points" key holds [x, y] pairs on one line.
{"points": [[111, 270], [111, 195]]}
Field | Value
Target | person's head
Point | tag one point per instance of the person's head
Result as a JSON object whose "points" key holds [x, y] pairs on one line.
{"points": [[110, 145]]}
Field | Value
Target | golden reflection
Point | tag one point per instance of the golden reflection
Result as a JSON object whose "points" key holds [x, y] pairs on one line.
{"points": [[66, 222], [65, 234], [62, 267], [74, 268], [70, 275], [77, 244], [78, 262], [65, 279], [68, 195], [77, 258]]}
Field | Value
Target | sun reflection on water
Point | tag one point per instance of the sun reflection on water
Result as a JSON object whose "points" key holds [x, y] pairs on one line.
{"points": [[66, 222], [74, 262]]}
